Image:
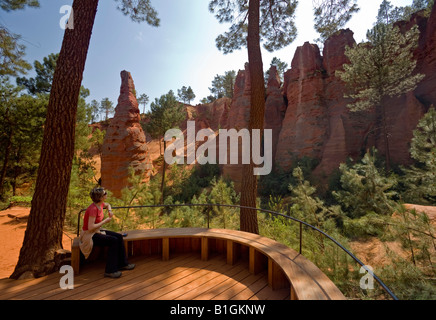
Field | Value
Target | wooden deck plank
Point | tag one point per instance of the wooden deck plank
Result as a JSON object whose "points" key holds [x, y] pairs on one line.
{"points": [[201, 292], [163, 279], [268, 294], [139, 279], [251, 290], [180, 279], [137, 276], [91, 279], [92, 289], [214, 277], [223, 286], [185, 283], [229, 293]]}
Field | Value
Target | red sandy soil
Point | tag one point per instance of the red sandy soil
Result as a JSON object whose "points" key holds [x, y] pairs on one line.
{"points": [[374, 252], [13, 224]]}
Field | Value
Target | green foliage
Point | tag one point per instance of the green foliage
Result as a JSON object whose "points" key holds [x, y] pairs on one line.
{"points": [[330, 16], [185, 184], [21, 124], [306, 206], [166, 113], [281, 67], [277, 182], [223, 193], [9, 5], [220, 192], [390, 14], [382, 67], [12, 53], [138, 194], [222, 86], [277, 21], [365, 189], [107, 107], [406, 280], [139, 11], [186, 94], [95, 110], [44, 75], [143, 99], [420, 179]]}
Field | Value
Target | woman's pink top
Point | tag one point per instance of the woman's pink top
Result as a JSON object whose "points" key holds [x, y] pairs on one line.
{"points": [[93, 211]]}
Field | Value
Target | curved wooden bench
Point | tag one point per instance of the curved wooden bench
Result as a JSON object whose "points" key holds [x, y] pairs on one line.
{"points": [[286, 268]]}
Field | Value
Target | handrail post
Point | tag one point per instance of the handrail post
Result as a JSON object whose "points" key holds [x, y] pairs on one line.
{"points": [[78, 222]]}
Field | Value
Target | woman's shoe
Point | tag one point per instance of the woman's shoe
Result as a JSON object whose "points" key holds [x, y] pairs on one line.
{"points": [[130, 266], [113, 275]]}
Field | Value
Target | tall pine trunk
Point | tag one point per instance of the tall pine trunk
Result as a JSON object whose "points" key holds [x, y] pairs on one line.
{"points": [[248, 218], [46, 220]]}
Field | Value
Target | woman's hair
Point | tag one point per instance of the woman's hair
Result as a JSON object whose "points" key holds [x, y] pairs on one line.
{"points": [[97, 194]]}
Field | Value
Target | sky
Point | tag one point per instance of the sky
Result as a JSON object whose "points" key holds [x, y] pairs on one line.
{"points": [[181, 52]]}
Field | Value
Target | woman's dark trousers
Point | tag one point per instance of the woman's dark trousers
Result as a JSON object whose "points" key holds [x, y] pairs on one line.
{"points": [[116, 256]]}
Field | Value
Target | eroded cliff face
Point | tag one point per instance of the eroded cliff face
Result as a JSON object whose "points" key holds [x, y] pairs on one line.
{"points": [[124, 144], [309, 116]]}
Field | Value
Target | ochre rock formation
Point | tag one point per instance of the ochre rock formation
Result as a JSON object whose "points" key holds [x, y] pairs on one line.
{"points": [[275, 107], [307, 114], [124, 144], [305, 124]]}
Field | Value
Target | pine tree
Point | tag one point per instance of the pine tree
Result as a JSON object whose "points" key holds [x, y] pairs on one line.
{"points": [[420, 179], [381, 68], [330, 16], [143, 99], [222, 85], [95, 110], [186, 94], [11, 51], [107, 107], [310, 208], [44, 75], [254, 21], [365, 189], [21, 122]]}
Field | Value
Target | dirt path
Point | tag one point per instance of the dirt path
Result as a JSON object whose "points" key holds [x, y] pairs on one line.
{"points": [[13, 224]]}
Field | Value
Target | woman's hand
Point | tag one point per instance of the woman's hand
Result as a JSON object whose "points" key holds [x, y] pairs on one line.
{"points": [[109, 209]]}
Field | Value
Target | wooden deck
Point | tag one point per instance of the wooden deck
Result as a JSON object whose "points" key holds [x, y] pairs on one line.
{"points": [[183, 277]]}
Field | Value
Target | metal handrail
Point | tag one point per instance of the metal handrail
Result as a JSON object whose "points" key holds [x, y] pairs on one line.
{"points": [[380, 282]]}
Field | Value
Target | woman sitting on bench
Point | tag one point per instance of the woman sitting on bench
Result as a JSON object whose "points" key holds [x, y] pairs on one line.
{"points": [[92, 235]]}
